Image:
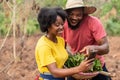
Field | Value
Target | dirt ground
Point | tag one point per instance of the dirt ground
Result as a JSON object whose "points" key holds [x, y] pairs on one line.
{"points": [[24, 67]]}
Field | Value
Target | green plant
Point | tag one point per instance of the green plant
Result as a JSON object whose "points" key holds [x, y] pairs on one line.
{"points": [[113, 27], [52, 3], [3, 22], [32, 26], [75, 60], [106, 8]]}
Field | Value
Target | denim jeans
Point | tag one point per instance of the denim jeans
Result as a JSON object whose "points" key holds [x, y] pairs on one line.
{"points": [[49, 77]]}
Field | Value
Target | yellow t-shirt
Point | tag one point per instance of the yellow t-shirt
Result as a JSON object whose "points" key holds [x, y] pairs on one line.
{"points": [[48, 52]]}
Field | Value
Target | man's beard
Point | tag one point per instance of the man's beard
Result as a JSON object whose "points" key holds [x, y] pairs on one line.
{"points": [[73, 27]]}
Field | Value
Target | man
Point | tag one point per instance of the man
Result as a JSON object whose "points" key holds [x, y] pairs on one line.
{"points": [[85, 33]]}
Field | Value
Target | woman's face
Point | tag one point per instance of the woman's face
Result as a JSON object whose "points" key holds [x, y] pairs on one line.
{"points": [[56, 28], [75, 16]]}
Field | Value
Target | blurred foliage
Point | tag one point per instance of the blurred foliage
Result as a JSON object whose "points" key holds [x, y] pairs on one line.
{"points": [[111, 23], [32, 26], [116, 4], [106, 8], [51, 3], [3, 24], [113, 27]]}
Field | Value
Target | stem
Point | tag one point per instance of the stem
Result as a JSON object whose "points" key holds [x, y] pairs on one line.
{"points": [[14, 28]]}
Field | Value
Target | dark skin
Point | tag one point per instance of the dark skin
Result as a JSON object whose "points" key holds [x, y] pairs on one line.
{"points": [[102, 47], [75, 17], [53, 31], [56, 72]]}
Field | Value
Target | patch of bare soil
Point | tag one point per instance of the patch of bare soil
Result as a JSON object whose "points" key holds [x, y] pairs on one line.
{"points": [[25, 68], [113, 58]]}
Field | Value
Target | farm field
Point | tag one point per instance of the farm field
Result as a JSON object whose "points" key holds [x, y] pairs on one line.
{"points": [[24, 68]]}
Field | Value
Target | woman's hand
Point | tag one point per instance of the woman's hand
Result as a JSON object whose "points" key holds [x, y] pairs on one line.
{"points": [[86, 65]]}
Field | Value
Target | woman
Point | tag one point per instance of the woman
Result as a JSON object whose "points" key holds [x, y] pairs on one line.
{"points": [[50, 50]]}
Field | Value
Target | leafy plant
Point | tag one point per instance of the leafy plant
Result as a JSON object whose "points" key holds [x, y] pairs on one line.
{"points": [[75, 60], [32, 26], [106, 8], [113, 27], [3, 23]]}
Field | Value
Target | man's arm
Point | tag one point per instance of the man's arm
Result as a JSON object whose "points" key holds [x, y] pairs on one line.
{"points": [[102, 47]]}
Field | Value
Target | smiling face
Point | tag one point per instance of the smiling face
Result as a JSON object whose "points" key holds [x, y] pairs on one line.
{"points": [[56, 28], [74, 17]]}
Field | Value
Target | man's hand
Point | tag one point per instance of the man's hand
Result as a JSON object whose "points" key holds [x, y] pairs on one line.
{"points": [[90, 48]]}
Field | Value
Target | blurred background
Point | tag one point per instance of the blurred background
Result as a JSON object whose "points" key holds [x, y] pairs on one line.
{"points": [[19, 32], [25, 11]]}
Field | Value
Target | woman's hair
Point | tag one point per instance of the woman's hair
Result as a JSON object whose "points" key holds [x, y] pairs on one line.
{"points": [[47, 16]]}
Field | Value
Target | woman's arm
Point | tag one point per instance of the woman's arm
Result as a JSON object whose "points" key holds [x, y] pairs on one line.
{"points": [[56, 72]]}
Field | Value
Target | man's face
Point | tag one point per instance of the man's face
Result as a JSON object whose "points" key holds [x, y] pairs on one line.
{"points": [[75, 16]]}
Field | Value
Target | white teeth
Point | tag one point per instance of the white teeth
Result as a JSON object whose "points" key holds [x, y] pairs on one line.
{"points": [[73, 21]]}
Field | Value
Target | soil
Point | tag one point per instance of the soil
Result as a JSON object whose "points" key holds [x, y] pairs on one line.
{"points": [[23, 67]]}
